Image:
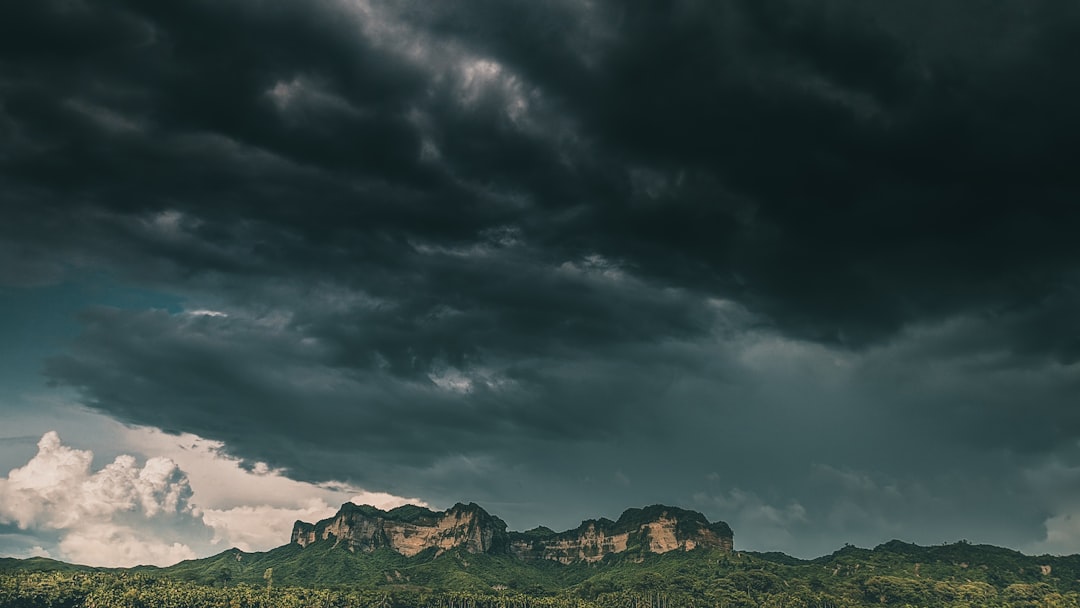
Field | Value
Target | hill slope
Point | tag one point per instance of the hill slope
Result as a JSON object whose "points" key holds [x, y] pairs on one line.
{"points": [[468, 567], [894, 574]]}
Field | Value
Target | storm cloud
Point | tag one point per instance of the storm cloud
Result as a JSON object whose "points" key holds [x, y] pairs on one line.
{"points": [[810, 267]]}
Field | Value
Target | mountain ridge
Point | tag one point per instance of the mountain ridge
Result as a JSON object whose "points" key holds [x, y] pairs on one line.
{"points": [[895, 573], [410, 530]]}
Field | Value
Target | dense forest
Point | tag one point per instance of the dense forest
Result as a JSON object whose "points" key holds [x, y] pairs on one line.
{"points": [[893, 574]]}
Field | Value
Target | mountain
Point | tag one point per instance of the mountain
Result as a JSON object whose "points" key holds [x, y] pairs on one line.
{"points": [[407, 530], [326, 573], [655, 557], [411, 530], [655, 529]]}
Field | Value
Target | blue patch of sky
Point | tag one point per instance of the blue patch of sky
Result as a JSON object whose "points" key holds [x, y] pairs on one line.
{"points": [[37, 322]]}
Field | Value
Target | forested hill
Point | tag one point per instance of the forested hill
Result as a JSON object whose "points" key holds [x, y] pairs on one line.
{"points": [[895, 574]]}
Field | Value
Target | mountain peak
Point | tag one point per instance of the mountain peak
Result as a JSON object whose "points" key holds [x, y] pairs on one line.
{"points": [[651, 529], [410, 530]]}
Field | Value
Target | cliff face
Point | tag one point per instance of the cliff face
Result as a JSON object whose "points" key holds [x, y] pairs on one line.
{"points": [[410, 530], [655, 529]]}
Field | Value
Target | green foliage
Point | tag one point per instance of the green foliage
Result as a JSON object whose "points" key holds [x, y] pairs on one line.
{"points": [[409, 513], [323, 575], [38, 564]]}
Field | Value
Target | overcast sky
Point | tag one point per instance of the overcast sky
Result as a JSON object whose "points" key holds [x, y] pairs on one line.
{"points": [[811, 267]]}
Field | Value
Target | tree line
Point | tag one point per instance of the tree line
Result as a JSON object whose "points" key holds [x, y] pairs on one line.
{"points": [[139, 590]]}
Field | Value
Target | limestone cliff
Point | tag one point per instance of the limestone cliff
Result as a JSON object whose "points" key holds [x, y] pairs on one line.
{"points": [[410, 530], [655, 529]]}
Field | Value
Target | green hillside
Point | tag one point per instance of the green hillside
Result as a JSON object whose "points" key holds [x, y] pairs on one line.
{"points": [[323, 564], [322, 574], [39, 564]]}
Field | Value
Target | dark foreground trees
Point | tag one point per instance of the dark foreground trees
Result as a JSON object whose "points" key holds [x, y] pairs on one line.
{"points": [[849, 580]]}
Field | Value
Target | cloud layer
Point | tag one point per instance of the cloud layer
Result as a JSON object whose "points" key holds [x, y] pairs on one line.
{"points": [[124, 514], [803, 263], [98, 514]]}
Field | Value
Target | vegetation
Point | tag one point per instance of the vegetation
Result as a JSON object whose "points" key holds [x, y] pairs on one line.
{"points": [[895, 574]]}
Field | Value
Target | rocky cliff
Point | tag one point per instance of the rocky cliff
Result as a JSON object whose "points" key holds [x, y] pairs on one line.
{"points": [[410, 530], [655, 529]]}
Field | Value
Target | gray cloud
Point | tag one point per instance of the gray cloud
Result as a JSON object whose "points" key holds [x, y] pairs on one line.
{"points": [[800, 444], [599, 252]]}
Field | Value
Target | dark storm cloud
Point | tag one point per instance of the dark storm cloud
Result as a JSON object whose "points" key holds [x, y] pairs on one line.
{"points": [[746, 149], [537, 249], [351, 376]]}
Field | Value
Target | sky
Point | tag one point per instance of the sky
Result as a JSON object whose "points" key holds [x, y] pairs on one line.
{"points": [[808, 267]]}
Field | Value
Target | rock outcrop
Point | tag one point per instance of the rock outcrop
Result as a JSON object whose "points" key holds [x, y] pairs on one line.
{"points": [[655, 529], [410, 530]]}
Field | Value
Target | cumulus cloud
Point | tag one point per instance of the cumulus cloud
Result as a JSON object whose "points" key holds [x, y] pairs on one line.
{"points": [[1057, 484], [103, 517], [110, 545], [250, 506], [22, 545], [186, 502], [251, 528], [258, 527], [1062, 535]]}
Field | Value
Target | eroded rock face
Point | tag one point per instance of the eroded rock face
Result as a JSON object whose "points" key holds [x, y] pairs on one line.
{"points": [[590, 542], [410, 530], [655, 529]]}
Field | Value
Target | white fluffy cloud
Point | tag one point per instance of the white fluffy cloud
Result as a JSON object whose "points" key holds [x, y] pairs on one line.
{"points": [[102, 517], [1058, 484], [187, 500], [260, 527], [251, 508], [1062, 535], [250, 528], [105, 544]]}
